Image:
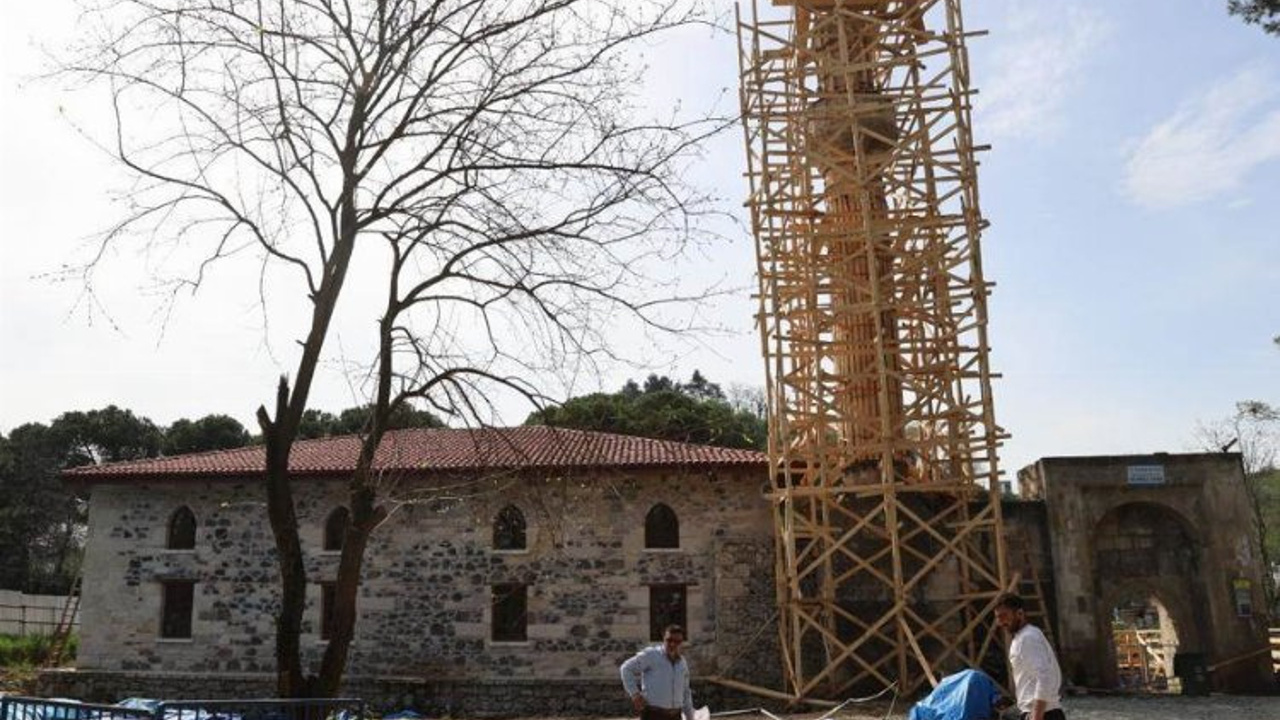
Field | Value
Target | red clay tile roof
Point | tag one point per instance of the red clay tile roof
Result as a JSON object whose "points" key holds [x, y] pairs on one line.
{"points": [[433, 450]]}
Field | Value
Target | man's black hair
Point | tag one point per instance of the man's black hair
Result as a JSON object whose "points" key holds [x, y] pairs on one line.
{"points": [[1011, 601], [673, 629]]}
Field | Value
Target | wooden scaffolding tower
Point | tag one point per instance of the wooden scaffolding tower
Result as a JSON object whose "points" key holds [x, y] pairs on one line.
{"points": [[874, 327]]}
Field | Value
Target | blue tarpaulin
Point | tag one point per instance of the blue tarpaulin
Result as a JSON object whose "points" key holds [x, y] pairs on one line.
{"points": [[967, 695]]}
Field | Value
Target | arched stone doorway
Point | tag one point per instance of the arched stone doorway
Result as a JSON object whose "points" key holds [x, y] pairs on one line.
{"points": [[1147, 556]]}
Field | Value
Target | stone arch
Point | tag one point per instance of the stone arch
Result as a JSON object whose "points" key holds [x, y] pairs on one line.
{"points": [[1148, 551]]}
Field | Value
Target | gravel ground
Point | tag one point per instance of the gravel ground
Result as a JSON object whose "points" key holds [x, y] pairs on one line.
{"points": [[1217, 707], [1098, 707]]}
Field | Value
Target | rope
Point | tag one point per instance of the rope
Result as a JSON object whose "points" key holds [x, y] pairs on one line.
{"points": [[891, 687]]}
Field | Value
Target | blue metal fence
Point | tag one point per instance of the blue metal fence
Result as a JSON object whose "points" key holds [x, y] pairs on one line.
{"points": [[26, 708]]}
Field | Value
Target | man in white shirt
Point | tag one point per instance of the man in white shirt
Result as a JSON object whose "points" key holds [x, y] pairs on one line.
{"points": [[1037, 680], [657, 679]]}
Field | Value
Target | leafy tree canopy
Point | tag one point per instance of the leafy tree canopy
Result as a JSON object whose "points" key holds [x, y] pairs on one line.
{"points": [[1258, 12], [211, 432], [318, 423], [693, 412], [1267, 483], [42, 521], [33, 506], [107, 435]]}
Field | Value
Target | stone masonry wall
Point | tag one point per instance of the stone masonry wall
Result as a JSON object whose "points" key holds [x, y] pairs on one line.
{"points": [[424, 605]]}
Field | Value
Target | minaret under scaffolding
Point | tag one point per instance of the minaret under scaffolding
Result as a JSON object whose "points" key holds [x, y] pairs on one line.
{"points": [[873, 318]]}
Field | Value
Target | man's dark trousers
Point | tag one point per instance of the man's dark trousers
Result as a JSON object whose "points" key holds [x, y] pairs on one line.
{"points": [[656, 713]]}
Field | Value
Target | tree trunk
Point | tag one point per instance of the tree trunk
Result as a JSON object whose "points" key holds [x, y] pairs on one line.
{"points": [[279, 435], [284, 526], [364, 518]]}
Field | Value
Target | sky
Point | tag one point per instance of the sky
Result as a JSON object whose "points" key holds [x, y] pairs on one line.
{"points": [[1131, 186]]}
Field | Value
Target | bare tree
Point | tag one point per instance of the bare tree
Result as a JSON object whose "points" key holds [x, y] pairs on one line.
{"points": [[1254, 432], [484, 155]]}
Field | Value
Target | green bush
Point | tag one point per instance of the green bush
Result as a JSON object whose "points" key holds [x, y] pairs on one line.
{"points": [[31, 650]]}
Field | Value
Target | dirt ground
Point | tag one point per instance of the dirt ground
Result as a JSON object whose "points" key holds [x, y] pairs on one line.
{"points": [[17, 681]]}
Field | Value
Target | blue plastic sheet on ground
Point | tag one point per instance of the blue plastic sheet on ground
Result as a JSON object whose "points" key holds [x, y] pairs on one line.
{"points": [[403, 715], [966, 695]]}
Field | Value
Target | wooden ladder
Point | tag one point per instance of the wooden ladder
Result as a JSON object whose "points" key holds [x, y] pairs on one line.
{"points": [[1032, 590], [62, 632]]}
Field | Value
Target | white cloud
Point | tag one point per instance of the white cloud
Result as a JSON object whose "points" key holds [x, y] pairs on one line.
{"points": [[1035, 74], [1210, 144]]}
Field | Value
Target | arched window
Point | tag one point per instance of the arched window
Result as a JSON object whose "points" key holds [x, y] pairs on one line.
{"points": [[509, 529], [661, 528], [335, 528], [182, 530]]}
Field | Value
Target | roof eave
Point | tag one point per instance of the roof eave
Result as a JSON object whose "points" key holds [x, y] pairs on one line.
{"points": [[83, 478]]}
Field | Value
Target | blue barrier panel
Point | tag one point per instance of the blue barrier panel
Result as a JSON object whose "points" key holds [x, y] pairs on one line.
{"points": [[27, 708]]}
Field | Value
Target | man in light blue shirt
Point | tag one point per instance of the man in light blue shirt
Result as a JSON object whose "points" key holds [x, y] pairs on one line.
{"points": [[657, 679]]}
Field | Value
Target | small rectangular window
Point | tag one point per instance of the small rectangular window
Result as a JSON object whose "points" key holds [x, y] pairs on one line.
{"points": [[510, 613], [668, 605], [176, 605], [328, 595]]}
